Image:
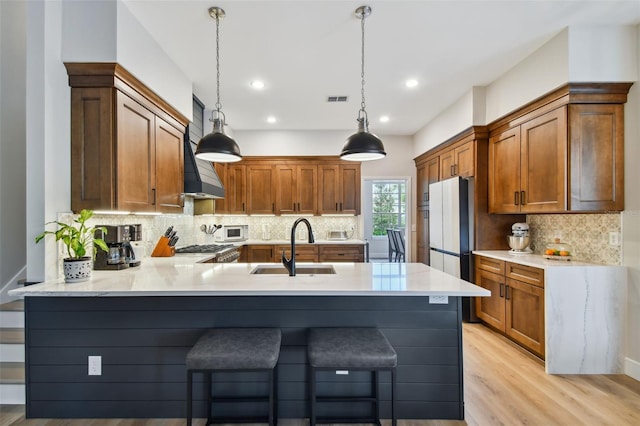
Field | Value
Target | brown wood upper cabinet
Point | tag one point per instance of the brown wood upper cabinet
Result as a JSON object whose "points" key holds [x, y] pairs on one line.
{"points": [[427, 172], [289, 185], [339, 188], [127, 144], [296, 189], [458, 160], [527, 166], [562, 152]]}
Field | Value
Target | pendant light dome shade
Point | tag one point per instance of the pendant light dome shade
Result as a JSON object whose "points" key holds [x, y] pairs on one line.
{"points": [[217, 146], [362, 145]]}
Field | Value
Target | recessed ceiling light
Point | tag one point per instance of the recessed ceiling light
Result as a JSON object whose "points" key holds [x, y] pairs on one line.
{"points": [[411, 82], [257, 84], [271, 119], [384, 119]]}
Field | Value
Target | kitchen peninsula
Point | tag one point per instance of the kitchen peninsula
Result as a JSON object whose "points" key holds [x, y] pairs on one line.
{"points": [[142, 322]]}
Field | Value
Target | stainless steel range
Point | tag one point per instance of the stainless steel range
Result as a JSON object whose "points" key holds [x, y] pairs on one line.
{"points": [[221, 253]]}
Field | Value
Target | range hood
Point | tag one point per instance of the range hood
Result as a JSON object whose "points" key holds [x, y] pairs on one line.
{"points": [[200, 177]]}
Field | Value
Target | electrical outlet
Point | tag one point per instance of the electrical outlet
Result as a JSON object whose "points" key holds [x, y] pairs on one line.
{"points": [[614, 238], [438, 300], [95, 365]]}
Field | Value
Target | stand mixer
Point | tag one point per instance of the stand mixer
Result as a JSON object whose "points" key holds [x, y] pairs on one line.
{"points": [[519, 241]]}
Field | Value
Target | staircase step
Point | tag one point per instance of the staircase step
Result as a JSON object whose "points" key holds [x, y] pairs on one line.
{"points": [[12, 373], [12, 319], [12, 394], [12, 335], [11, 353], [16, 305]]}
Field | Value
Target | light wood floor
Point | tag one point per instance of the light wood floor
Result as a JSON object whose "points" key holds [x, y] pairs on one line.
{"points": [[504, 385]]}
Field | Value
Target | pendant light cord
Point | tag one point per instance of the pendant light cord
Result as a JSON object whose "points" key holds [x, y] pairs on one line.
{"points": [[218, 104], [362, 103]]}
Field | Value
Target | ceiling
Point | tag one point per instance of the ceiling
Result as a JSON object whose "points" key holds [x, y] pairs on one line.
{"points": [[306, 50]]}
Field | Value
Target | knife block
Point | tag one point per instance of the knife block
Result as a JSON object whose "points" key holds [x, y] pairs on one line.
{"points": [[163, 249]]}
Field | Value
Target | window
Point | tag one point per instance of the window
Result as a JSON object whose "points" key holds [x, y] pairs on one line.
{"points": [[389, 206]]}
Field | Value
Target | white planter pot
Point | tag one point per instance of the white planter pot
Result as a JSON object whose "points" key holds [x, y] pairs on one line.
{"points": [[77, 270]]}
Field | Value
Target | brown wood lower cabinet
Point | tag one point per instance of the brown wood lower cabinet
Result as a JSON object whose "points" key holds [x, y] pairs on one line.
{"points": [[341, 253], [304, 253], [516, 304]]}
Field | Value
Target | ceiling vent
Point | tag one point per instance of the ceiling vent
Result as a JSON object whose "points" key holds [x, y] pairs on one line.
{"points": [[336, 99]]}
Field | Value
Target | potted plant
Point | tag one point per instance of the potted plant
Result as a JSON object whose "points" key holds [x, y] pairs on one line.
{"points": [[77, 237]]}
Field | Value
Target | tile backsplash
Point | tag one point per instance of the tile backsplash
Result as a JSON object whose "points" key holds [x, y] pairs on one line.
{"points": [[588, 234]]}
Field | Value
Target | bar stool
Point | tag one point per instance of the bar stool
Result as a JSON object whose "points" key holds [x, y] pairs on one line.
{"points": [[235, 350], [360, 349]]}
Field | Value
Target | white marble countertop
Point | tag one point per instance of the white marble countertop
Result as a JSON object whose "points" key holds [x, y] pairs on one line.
{"points": [[298, 242], [535, 260], [182, 275]]}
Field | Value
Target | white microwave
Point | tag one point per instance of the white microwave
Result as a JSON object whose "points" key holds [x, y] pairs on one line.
{"points": [[233, 233]]}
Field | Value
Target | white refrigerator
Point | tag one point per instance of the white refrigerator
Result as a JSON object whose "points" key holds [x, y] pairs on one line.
{"points": [[451, 231]]}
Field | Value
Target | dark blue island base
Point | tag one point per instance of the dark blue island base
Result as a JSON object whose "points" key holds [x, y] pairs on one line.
{"points": [[143, 342]]}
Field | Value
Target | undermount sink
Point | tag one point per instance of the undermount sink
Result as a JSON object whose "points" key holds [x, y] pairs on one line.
{"points": [[300, 270]]}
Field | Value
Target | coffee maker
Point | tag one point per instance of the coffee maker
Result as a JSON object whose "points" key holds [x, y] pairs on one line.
{"points": [[118, 239]]}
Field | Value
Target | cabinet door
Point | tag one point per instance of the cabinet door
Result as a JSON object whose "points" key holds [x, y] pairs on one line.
{"points": [[464, 157], [92, 153], [422, 231], [447, 162], [304, 253], [504, 172], [135, 153], [427, 173], [169, 168], [307, 189], [525, 315], [543, 177], [236, 189], [597, 157], [491, 309], [259, 253], [328, 188], [350, 189], [261, 190], [286, 189]]}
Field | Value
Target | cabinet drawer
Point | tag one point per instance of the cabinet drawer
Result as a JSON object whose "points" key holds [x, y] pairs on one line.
{"points": [[304, 253], [527, 274], [341, 253], [489, 264]]}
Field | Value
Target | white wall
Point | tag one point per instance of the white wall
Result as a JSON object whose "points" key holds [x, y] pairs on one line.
{"points": [[602, 53], [631, 220], [12, 142], [107, 31], [544, 70]]}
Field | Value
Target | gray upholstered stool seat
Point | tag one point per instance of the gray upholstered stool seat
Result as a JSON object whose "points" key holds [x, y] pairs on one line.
{"points": [[350, 349], [235, 350]]}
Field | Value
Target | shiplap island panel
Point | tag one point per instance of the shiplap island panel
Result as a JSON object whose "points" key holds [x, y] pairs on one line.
{"points": [[142, 323]]}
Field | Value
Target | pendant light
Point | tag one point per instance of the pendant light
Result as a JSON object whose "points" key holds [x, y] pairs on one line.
{"points": [[218, 147], [362, 145]]}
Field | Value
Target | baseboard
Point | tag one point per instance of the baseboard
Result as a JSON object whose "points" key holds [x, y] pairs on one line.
{"points": [[632, 368]]}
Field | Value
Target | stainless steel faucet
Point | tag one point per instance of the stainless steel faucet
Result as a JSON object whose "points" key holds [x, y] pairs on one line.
{"points": [[290, 264]]}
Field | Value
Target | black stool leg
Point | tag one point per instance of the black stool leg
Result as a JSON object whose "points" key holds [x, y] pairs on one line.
{"points": [[393, 397], [271, 398], [275, 394], [312, 396], [189, 395], [376, 395], [209, 394]]}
